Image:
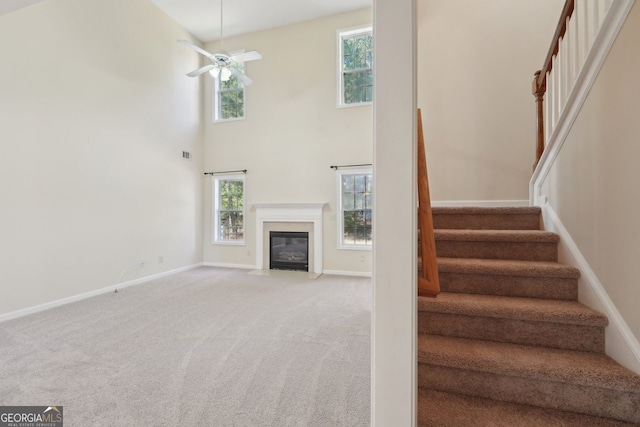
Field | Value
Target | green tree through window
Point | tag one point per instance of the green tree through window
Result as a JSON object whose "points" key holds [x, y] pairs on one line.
{"points": [[230, 96], [230, 210], [357, 67], [357, 205]]}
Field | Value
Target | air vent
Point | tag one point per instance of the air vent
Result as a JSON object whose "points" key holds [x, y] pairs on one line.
{"points": [[186, 155]]}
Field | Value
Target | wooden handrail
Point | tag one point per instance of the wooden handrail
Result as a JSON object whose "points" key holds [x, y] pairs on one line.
{"points": [[561, 29], [428, 280], [540, 76]]}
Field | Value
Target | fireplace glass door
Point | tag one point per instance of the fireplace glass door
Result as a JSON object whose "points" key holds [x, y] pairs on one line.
{"points": [[289, 250]]}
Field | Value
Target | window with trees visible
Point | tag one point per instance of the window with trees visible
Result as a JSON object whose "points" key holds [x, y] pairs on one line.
{"points": [[228, 223], [355, 59], [356, 208], [229, 97]]}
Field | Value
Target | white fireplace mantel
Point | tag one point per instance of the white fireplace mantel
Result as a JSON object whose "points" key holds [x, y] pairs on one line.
{"points": [[290, 212]]}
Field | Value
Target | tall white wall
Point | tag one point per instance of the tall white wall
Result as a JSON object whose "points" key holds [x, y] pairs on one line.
{"points": [[476, 61], [593, 185], [95, 110], [292, 133]]}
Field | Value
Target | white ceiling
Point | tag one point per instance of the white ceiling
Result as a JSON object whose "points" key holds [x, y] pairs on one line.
{"points": [[202, 17], [7, 6]]}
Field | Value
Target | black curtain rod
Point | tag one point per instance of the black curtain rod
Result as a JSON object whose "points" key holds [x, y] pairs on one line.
{"points": [[349, 166], [218, 173]]}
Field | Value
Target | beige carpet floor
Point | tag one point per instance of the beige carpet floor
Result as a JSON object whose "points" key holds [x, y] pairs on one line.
{"points": [[207, 347]]}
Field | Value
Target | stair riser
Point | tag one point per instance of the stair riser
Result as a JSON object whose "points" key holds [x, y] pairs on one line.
{"points": [[486, 222], [525, 332], [622, 406], [436, 408], [512, 286], [527, 251]]}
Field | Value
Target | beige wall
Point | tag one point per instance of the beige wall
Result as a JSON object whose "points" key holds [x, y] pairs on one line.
{"points": [[292, 133], [476, 61], [95, 111], [593, 186]]}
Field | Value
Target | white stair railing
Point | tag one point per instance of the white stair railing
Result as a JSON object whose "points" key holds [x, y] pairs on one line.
{"points": [[576, 33], [585, 33]]}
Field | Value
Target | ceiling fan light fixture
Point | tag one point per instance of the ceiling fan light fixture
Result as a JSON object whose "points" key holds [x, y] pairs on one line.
{"points": [[215, 72], [225, 74]]}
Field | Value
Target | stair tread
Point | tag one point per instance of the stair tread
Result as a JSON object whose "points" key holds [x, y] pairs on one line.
{"points": [[531, 309], [527, 236], [564, 366], [479, 210], [436, 408], [502, 267]]}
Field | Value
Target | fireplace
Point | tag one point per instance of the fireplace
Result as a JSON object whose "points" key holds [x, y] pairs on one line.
{"points": [[289, 250], [299, 217]]}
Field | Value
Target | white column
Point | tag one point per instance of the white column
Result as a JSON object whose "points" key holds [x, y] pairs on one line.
{"points": [[394, 332]]}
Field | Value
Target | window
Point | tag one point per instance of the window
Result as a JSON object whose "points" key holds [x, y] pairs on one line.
{"points": [[355, 59], [228, 97], [356, 207], [228, 222]]}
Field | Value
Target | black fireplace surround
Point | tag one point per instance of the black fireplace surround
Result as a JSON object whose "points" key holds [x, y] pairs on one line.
{"points": [[289, 250]]}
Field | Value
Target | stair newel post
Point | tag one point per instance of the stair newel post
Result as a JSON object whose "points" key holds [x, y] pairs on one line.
{"points": [[428, 280], [539, 89]]}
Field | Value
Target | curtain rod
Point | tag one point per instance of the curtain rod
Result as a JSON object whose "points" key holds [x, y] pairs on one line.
{"points": [[349, 166], [222, 172]]}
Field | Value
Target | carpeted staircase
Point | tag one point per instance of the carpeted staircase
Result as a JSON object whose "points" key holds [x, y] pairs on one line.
{"points": [[506, 343]]}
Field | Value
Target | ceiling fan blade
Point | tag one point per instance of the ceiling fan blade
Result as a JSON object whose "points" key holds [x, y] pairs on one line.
{"points": [[215, 72], [196, 48], [196, 73], [241, 76], [245, 57]]}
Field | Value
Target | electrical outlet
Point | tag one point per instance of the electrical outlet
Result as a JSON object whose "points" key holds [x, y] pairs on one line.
{"points": [[248, 253], [160, 259]]}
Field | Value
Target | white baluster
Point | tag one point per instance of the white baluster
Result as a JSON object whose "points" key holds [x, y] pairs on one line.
{"points": [[568, 61], [550, 99], [583, 21], [575, 49], [560, 57], [568, 52], [591, 13], [554, 93], [547, 109], [559, 68], [603, 8], [596, 21]]}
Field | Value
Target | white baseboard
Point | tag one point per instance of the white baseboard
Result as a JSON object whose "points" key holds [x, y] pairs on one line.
{"points": [[347, 273], [75, 298], [253, 267], [479, 203], [226, 265], [621, 344]]}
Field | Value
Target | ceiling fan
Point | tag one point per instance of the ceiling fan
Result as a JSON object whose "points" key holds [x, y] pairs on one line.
{"points": [[222, 62]]}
